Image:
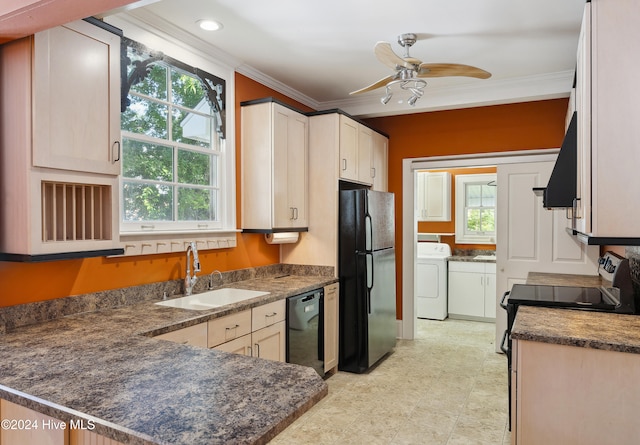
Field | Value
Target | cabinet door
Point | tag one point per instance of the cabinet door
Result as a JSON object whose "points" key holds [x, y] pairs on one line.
{"points": [[298, 153], [466, 289], [348, 148], [290, 152], [583, 108], [365, 154], [282, 215], [490, 299], [56, 434], [77, 104], [270, 342], [330, 326], [241, 345], [380, 161]]}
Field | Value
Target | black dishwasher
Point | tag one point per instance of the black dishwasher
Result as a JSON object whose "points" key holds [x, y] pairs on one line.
{"points": [[305, 330]]}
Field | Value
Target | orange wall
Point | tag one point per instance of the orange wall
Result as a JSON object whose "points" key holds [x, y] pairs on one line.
{"points": [[450, 226], [25, 283], [523, 126]]}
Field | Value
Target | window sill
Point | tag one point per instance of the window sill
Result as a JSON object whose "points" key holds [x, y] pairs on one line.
{"points": [[176, 241], [475, 240]]}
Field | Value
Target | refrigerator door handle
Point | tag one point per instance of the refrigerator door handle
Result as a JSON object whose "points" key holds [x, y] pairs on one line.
{"points": [[369, 261], [368, 223]]}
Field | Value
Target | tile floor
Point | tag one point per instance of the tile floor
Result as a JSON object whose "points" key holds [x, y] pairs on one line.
{"points": [[446, 387]]}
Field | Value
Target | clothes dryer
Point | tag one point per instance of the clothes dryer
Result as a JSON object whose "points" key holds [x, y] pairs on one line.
{"points": [[431, 280]]}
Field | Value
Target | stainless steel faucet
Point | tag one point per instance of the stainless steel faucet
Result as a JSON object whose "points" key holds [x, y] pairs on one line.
{"points": [[211, 278], [190, 281]]}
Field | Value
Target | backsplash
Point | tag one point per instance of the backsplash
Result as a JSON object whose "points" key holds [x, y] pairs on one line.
{"points": [[12, 317]]}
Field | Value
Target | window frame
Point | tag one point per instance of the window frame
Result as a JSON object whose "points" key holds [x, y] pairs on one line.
{"points": [[462, 235], [225, 155]]}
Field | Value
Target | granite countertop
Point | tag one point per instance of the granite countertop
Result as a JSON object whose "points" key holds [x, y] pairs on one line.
{"points": [[587, 329], [471, 259], [555, 279], [104, 367]]}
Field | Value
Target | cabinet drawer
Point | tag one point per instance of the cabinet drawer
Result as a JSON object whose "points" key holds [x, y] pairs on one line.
{"points": [[193, 335], [227, 328], [466, 266], [268, 314]]}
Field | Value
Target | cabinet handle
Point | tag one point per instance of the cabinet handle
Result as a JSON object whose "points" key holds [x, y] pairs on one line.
{"points": [[257, 349], [344, 164], [250, 350], [232, 327], [373, 172], [271, 315], [295, 213], [117, 158]]}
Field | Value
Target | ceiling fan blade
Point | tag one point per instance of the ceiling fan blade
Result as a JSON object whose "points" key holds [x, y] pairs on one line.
{"points": [[451, 69], [385, 54], [373, 86]]}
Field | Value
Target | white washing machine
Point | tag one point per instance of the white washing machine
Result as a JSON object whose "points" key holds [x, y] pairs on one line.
{"points": [[431, 280]]}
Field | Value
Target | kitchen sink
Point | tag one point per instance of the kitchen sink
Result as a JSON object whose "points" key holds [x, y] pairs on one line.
{"points": [[212, 299], [484, 257]]}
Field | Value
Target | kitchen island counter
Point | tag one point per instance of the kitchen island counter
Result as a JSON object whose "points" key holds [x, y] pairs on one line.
{"points": [[588, 329], [104, 368]]}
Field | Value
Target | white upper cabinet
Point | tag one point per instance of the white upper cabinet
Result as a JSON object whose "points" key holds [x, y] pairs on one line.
{"points": [[434, 196], [76, 99], [60, 143], [607, 95], [274, 167], [380, 159], [363, 154]]}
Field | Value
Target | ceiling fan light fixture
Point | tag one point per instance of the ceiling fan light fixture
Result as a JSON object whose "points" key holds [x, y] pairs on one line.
{"points": [[209, 25]]}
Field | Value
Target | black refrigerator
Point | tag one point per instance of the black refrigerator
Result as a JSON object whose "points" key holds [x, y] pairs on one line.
{"points": [[367, 271]]}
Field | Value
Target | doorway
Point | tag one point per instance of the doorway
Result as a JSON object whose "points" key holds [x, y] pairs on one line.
{"points": [[407, 326]]}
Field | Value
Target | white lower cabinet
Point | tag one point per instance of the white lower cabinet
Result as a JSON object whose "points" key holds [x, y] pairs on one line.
{"points": [[472, 290], [573, 395], [195, 335], [260, 332], [331, 294], [26, 426]]}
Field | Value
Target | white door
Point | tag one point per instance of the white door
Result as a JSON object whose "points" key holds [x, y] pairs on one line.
{"points": [[530, 237]]}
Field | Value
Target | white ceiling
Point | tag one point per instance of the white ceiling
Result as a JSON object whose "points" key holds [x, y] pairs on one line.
{"points": [[319, 51]]}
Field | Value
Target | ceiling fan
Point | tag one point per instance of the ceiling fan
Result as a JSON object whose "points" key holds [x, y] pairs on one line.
{"points": [[409, 71]]}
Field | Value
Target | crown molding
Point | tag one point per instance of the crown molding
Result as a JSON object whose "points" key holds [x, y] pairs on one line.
{"points": [[278, 86], [476, 94]]}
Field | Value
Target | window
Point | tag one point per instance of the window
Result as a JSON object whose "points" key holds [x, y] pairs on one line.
{"points": [[476, 209], [174, 157]]}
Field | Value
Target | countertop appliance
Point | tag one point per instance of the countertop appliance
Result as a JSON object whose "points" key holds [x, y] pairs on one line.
{"points": [[305, 330], [367, 271], [431, 280], [619, 298]]}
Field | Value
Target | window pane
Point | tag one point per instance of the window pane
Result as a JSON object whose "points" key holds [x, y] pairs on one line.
{"points": [[195, 204], [473, 194], [142, 160], [488, 196], [186, 90], [147, 202], [473, 220], [488, 221], [145, 117], [191, 128], [194, 168], [154, 84]]}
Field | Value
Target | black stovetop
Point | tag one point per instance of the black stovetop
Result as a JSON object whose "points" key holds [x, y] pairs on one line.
{"points": [[561, 296]]}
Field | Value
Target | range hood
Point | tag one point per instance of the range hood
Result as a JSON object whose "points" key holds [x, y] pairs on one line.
{"points": [[561, 189]]}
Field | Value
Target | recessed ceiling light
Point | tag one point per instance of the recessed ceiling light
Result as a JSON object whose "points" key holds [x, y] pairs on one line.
{"points": [[209, 25]]}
